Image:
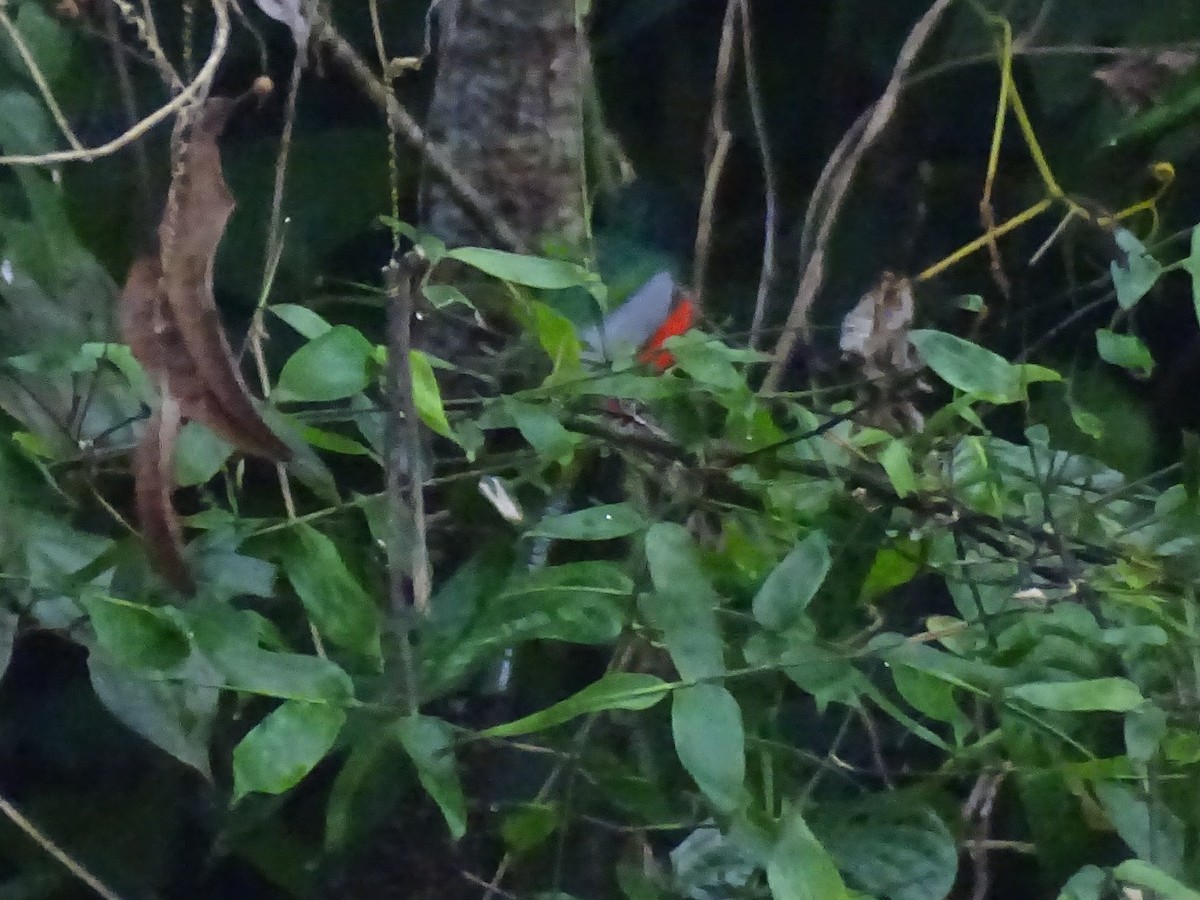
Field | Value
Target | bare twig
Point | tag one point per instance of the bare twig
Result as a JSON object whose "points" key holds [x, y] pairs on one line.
{"points": [[189, 93], [407, 128], [42, 840], [720, 137], [766, 278], [129, 101], [148, 35], [839, 180]]}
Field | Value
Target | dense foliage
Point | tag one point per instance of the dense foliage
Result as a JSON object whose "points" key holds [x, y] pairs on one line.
{"points": [[918, 622]]}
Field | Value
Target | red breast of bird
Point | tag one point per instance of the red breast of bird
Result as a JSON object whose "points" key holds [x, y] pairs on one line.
{"points": [[660, 309]]}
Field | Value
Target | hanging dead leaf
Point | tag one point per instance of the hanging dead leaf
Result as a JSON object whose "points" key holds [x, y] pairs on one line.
{"points": [[154, 482], [168, 313], [875, 335], [876, 330]]}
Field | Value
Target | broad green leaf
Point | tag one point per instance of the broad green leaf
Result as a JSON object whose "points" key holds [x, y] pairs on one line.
{"points": [[428, 743], [1124, 350], [1146, 823], [427, 396], [893, 566], [333, 366], [711, 742], [584, 602], [333, 442], [1145, 728], [968, 366], [927, 694], [897, 463], [174, 715], [792, 585], [336, 603], [1137, 275], [1094, 694], [139, 637], [542, 429], [799, 868], [1192, 266], [9, 623], [530, 271], [706, 361], [683, 605], [443, 295], [199, 455], [558, 338], [308, 323], [529, 825], [617, 690], [1086, 884], [229, 639], [1143, 874], [597, 523], [284, 747], [891, 846], [46, 39]]}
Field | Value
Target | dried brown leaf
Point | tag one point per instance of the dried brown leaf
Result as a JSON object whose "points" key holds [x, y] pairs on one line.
{"points": [[1137, 80], [154, 482], [168, 313]]}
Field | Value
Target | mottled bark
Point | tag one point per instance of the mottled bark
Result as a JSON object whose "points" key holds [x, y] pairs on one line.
{"points": [[508, 108]]}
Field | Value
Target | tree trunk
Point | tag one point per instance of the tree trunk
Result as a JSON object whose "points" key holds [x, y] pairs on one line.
{"points": [[508, 107]]}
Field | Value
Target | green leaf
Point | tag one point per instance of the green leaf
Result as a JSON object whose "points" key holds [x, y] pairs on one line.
{"points": [[542, 429], [893, 566], [792, 585], [617, 690], [558, 338], [308, 323], [332, 442], [897, 463], [711, 742], [9, 624], [48, 41], [1086, 884], [175, 716], [583, 602], [428, 743], [1133, 279], [1191, 265], [443, 295], [333, 366], [1143, 874], [139, 637], [976, 370], [199, 455], [229, 639], [1124, 350], [530, 271], [1145, 823], [799, 868], [528, 826], [427, 396], [683, 606], [284, 747], [891, 846], [1094, 694], [335, 601], [597, 523], [706, 361]]}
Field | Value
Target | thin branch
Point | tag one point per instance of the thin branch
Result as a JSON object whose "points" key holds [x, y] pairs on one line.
{"points": [[406, 127], [721, 138], [766, 278], [178, 102], [405, 460], [876, 121], [71, 865], [148, 35]]}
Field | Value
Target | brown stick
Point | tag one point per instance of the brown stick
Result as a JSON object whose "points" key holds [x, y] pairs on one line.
{"points": [[838, 175]]}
